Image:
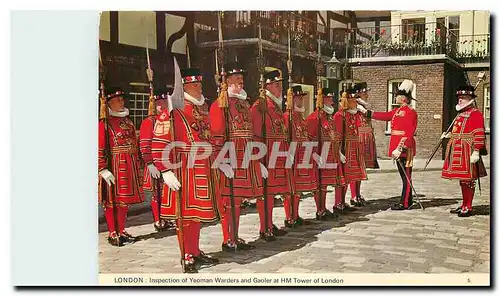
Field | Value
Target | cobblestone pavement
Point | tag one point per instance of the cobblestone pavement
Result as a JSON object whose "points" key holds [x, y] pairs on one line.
{"points": [[372, 239]]}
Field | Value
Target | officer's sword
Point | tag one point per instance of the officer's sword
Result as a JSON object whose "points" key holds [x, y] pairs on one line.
{"points": [[411, 183]]}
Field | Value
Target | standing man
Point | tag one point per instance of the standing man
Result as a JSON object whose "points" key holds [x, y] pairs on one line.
{"points": [[305, 179], [367, 139], [467, 142], [118, 159], [247, 181], [279, 178], [321, 128], [151, 173], [197, 203], [347, 120], [402, 146]]}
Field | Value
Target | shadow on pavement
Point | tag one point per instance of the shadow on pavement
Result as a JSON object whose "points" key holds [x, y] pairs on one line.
{"points": [[481, 210], [299, 237]]}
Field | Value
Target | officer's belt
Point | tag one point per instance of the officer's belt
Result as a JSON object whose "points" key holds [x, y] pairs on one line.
{"points": [[124, 149], [397, 133]]}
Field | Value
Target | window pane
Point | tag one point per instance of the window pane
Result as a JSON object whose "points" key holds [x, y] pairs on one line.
{"points": [[454, 22]]}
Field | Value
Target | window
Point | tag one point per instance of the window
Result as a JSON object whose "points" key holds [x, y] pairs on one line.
{"points": [[413, 30], [391, 99], [454, 25], [138, 107], [486, 112]]}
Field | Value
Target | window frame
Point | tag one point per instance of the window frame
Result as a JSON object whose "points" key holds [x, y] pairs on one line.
{"points": [[137, 114], [390, 98]]}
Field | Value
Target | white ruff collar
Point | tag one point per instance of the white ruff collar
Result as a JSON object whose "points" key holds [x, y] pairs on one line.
{"points": [[458, 108], [352, 111], [328, 109], [278, 101], [123, 113], [242, 95], [197, 102]]}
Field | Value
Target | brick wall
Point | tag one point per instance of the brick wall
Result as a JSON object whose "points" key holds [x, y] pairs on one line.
{"points": [[429, 80]]}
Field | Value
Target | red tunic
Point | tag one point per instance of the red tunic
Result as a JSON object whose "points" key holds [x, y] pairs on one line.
{"points": [[191, 125], [368, 147], [305, 180], [124, 161], [403, 127], [333, 177], [247, 182], [279, 178], [467, 135], [145, 139], [346, 128]]}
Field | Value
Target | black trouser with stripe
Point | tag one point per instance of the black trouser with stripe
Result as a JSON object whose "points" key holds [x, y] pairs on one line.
{"points": [[406, 193]]}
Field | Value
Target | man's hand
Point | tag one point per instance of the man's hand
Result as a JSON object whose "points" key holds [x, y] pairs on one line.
{"points": [[474, 157], [396, 153], [153, 171], [264, 171], [107, 176], [171, 180], [342, 157], [227, 170], [361, 109]]}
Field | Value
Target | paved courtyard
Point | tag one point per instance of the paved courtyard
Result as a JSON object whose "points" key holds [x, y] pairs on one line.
{"points": [[373, 239]]}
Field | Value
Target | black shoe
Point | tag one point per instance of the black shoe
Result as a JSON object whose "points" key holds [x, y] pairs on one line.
{"points": [[115, 241], [355, 203], [361, 200], [290, 224], [300, 222], [267, 236], [456, 211], [465, 213], [245, 204], [321, 216], [279, 231], [203, 259], [346, 208], [398, 207], [227, 247], [337, 210], [332, 215], [242, 245], [190, 268], [126, 238], [162, 226]]}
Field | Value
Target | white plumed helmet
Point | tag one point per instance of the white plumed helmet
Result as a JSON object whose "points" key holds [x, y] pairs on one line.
{"points": [[406, 89], [407, 85]]}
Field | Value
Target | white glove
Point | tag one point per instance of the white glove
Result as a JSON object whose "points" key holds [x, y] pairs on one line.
{"points": [[362, 102], [107, 176], [171, 180], [474, 157], [153, 171], [342, 157], [396, 153], [321, 161], [445, 135], [227, 170], [361, 109], [264, 171]]}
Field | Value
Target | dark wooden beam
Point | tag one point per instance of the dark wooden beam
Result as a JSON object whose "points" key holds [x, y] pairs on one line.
{"points": [[339, 18], [113, 26]]}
